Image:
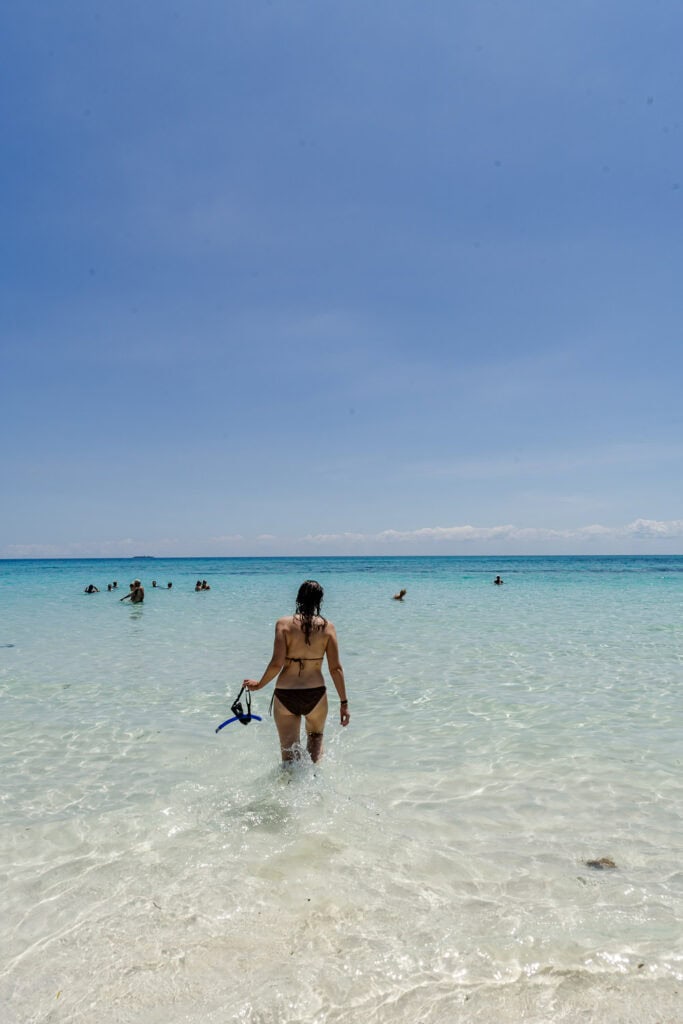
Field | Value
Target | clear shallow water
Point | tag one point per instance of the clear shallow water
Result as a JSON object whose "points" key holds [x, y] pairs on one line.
{"points": [[432, 869]]}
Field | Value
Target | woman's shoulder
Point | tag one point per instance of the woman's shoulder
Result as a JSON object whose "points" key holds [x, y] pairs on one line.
{"points": [[286, 622]]}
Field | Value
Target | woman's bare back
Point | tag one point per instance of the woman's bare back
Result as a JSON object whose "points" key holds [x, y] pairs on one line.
{"points": [[303, 662]]}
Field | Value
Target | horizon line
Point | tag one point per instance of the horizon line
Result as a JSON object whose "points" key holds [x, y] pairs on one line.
{"points": [[237, 558]]}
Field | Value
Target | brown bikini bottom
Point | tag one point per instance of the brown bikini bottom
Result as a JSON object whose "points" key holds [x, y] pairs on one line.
{"points": [[301, 702]]}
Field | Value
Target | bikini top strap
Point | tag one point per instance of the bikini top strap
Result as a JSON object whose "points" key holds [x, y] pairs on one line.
{"points": [[302, 660]]}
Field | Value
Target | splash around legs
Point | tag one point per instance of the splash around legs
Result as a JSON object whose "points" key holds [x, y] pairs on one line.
{"points": [[289, 730]]}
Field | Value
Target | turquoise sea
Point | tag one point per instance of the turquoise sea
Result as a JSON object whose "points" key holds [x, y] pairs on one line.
{"points": [[431, 869]]}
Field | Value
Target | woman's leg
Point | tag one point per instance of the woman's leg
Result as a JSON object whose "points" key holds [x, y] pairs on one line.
{"points": [[288, 728], [315, 725]]}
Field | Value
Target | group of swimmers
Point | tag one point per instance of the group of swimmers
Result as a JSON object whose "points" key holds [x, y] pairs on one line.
{"points": [[136, 594], [137, 591], [302, 642]]}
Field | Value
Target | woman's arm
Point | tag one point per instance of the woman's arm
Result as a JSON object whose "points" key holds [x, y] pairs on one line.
{"points": [[276, 662], [335, 669]]}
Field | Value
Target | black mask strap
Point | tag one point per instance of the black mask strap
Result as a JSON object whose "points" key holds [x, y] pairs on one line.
{"points": [[237, 709]]}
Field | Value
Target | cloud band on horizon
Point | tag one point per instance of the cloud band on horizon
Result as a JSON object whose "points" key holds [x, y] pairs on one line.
{"points": [[639, 530]]}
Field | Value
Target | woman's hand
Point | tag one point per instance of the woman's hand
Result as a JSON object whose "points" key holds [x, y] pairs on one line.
{"points": [[252, 684], [344, 714]]}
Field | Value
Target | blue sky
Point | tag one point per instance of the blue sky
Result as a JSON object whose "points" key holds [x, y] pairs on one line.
{"points": [[330, 277]]}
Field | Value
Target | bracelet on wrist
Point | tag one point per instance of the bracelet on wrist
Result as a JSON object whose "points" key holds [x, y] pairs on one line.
{"points": [[343, 702]]}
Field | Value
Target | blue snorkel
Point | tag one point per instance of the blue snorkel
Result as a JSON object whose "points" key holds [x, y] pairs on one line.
{"points": [[239, 714]]}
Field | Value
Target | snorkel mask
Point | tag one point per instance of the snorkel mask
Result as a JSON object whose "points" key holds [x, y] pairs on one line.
{"points": [[239, 714]]}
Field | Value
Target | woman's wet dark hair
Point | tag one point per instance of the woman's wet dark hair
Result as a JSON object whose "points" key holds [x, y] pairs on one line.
{"points": [[308, 601]]}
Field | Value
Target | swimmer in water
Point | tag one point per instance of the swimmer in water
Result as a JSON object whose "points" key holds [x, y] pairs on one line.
{"points": [[302, 642], [498, 581], [137, 593], [401, 594]]}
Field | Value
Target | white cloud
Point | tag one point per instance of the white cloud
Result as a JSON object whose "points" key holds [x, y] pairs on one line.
{"points": [[646, 535], [645, 529], [335, 538], [448, 533], [654, 529]]}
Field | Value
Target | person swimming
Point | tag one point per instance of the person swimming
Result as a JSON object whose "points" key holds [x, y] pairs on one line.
{"points": [[302, 642], [91, 589], [401, 594], [498, 581]]}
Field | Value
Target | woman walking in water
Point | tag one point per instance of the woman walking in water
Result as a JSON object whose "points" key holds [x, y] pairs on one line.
{"points": [[302, 641]]}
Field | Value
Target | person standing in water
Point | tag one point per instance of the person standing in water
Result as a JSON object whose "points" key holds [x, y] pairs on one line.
{"points": [[302, 641], [137, 593]]}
